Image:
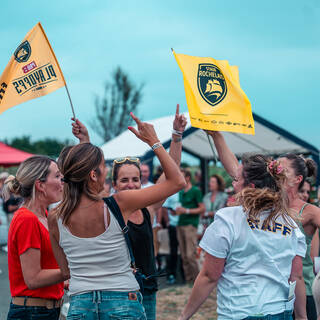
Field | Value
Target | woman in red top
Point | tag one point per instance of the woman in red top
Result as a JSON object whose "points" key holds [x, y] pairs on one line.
{"points": [[36, 282]]}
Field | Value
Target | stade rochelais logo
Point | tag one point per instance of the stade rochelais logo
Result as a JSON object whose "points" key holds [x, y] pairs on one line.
{"points": [[23, 52], [211, 83]]}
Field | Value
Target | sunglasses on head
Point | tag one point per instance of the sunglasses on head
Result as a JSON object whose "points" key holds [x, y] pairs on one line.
{"points": [[122, 160]]}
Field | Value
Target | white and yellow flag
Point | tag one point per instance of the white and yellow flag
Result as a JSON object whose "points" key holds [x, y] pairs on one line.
{"points": [[33, 71], [214, 96]]}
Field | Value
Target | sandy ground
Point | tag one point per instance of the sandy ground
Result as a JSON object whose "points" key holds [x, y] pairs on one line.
{"points": [[170, 302]]}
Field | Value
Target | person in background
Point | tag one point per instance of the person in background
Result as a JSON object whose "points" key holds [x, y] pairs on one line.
{"points": [[214, 200], [171, 204], [189, 212], [36, 282], [304, 191], [145, 175], [107, 187], [252, 250]]}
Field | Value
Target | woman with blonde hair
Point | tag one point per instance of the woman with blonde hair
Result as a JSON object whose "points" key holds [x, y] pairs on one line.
{"points": [[86, 236], [36, 282], [252, 250]]}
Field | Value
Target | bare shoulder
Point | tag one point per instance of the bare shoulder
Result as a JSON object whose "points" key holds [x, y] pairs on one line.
{"points": [[313, 209], [311, 213]]}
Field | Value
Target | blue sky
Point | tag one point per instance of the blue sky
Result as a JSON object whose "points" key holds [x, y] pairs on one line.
{"points": [[275, 44]]}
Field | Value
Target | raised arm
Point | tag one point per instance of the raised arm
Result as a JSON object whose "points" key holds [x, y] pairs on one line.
{"points": [[226, 156], [80, 131], [179, 125], [131, 200]]}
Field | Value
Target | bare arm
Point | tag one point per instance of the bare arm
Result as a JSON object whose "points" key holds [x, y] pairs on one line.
{"points": [[179, 125], [57, 250], [314, 252], [226, 156], [300, 292], [131, 200], [204, 284], [199, 210], [33, 275]]}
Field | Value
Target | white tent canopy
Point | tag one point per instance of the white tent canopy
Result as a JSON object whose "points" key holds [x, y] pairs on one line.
{"points": [[269, 139]]}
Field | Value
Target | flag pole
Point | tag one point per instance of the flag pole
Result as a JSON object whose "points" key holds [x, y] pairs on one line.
{"points": [[215, 158], [74, 115]]}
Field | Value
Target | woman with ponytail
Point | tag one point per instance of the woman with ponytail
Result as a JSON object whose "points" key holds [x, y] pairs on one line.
{"points": [[36, 282], [253, 250], [85, 234], [298, 170]]}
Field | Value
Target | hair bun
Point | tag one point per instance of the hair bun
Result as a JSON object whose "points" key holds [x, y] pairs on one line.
{"points": [[13, 184], [312, 168]]}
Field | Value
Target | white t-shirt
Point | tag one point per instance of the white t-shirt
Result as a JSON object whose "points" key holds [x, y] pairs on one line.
{"points": [[258, 263], [146, 185], [172, 203]]}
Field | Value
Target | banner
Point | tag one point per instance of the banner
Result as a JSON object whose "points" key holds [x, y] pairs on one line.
{"points": [[214, 96], [33, 71]]}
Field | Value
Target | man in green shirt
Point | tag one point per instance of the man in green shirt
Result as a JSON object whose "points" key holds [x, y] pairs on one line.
{"points": [[191, 208]]}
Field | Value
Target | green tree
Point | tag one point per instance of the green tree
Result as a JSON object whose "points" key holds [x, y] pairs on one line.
{"points": [[121, 96], [48, 146]]}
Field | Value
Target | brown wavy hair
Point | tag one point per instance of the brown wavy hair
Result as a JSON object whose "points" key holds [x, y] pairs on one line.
{"points": [[264, 191], [76, 163]]}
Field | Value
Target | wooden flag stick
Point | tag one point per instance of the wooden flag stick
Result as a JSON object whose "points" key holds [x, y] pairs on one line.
{"points": [[74, 115]]}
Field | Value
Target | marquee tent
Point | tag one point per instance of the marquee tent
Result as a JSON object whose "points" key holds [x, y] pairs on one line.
{"points": [[269, 139], [11, 157]]}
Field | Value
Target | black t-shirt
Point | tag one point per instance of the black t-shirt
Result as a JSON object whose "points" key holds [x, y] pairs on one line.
{"points": [[141, 238]]}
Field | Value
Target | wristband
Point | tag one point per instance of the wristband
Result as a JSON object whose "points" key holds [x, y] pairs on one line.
{"points": [[178, 133], [188, 211], [156, 145]]}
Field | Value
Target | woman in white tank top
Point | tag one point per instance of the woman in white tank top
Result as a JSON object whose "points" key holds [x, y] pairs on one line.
{"points": [[86, 237]]}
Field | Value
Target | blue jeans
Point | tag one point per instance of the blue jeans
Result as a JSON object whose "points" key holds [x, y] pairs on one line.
{"points": [[27, 313], [106, 305], [286, 315], [149, 303]]}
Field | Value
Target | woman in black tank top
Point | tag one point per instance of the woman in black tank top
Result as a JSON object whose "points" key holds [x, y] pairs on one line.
{"points": [[126, 175]]}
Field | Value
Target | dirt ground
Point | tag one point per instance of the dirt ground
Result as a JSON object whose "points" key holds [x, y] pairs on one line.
{"points": [[170, 302]]}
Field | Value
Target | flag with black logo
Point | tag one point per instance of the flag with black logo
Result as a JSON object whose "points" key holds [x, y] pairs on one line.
{"points": [[214, 96], [33, 71]]}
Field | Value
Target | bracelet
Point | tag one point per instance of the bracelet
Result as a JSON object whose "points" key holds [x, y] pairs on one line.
{"points": [[178, 133], [188, 211], [156, 145]]}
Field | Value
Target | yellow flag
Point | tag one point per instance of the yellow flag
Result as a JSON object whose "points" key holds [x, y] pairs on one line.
{"points": [[33, 71], [214, 96]]}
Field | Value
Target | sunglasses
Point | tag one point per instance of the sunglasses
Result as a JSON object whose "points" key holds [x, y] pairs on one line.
{"points": [[122, 160]]}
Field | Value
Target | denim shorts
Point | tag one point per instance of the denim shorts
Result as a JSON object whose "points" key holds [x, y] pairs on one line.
{"points": [[286, 315], [27, 313], [106, 305]]}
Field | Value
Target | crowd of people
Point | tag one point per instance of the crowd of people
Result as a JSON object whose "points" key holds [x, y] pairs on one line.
{"points": [[80, 229]]}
